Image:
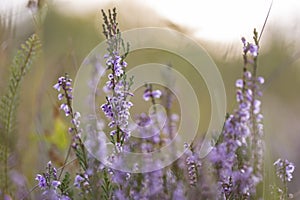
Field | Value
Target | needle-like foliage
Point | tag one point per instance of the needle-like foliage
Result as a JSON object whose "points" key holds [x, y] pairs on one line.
{"points": [[9, 103]]}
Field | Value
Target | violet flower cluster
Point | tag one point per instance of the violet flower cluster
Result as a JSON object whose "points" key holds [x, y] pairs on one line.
{"points": [[64, 87], [116, 109], [192, 163], [284, 170], [117, 105], [48, 182], [151, 94], [238, 168]]}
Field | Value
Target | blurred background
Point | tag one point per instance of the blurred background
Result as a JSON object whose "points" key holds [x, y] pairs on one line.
{"points": [[69, 30]]}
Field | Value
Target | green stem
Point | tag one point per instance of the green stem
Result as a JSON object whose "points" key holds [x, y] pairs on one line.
{"points": [[65, 162], [285, 187]]}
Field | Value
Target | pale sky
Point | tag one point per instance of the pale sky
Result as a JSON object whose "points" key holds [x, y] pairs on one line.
{"points": [[213, 20], [216, 20]]}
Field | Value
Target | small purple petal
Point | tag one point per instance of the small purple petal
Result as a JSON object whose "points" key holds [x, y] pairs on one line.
{"points": [[156, 93], [55, 184], [239, 83], [57, 86], [260, 80]]}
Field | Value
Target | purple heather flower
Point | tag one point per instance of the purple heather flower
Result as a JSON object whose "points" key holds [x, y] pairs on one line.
{"points": [[248, 75], [260, 80], [48, 180], [239, 83], [113, 132], [156, 93], [143, 120], [117, 65], [284, 169], [42, 181], [57, 87], [65, 108], [55, 184], [244, 41], [242, 126], [116, 109], [239, 96], [78, 180], [253, 49], [60, 96], [192, 163], [257, 104], [75, 121], [49, 164], [64, 83], [151, 94]]}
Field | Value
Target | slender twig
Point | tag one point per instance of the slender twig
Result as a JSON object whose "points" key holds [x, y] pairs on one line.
{"points": [[266, 19], [66, 160]]}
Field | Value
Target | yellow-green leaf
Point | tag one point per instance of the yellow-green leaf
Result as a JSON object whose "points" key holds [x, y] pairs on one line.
{"points": [[60, 135]]}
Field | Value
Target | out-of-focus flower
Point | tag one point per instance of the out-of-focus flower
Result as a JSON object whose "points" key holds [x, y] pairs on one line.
{"points": [[284, 169], [148, 94]]}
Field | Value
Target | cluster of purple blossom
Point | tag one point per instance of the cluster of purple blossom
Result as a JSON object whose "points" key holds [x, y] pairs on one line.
{"points": [[49, 184], [284, 169], [192, 163], [252, 48], [63, 86], [117, 105], [238, 169], [116, 108], [81, 180], [151, 94]]}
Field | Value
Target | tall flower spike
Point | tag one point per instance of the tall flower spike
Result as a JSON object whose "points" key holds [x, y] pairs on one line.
{"points": [[192, 164], [64, 87], [117, 105], [243, 131]]}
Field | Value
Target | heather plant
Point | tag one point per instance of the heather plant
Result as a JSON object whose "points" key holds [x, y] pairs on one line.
{"points": [[117, 107], [232, 170], [238, 168]]}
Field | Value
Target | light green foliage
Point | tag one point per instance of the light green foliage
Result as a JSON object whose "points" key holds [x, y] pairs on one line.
{"points": [[59, 136], [9, 101]]}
